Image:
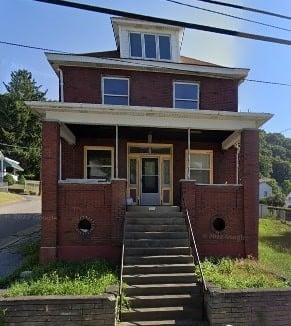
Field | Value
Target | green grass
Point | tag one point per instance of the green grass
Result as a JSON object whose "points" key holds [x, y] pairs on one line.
{"points": [[275, 247], [273, 269], [8, 198], [59, 278]]}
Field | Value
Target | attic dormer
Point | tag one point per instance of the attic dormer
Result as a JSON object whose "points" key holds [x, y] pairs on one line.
{"points": [[144, 40]]}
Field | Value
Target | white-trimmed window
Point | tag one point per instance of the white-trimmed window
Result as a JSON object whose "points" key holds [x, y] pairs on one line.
{"points": [[186, 95], [115, 90], [201, 166], [98, 162], [149, 46]]}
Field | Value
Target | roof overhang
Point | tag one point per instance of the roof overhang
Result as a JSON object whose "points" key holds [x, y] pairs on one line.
{"points": [[140, 116], [58, 60]]}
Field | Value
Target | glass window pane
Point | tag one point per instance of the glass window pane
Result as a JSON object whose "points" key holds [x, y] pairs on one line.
{"points": [[135, 45], [200, 161], [200, 176], [116, 100], [138, 149], [98, 157], [186, 91], [192, 105], [99, 173], [161, 150], [132, 169], [166, 172], [150, 46], [164, 46], [115, 86]]}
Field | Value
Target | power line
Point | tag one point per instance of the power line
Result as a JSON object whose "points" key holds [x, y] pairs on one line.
{"points": [[167, 21], [259, 11], [32, 47], [136, 62], [7, 145], [228, 15]]}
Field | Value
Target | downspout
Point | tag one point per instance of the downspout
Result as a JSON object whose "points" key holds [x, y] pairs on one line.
{"points": [[188, 158], [61, 90], [237, 146], [61, 85]]}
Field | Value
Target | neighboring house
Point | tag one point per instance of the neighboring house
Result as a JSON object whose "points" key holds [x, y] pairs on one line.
{"points": [[143, 125], [11, 165], [265, 190], [288, 200]]}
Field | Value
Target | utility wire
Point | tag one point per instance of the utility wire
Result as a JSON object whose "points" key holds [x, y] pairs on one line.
{"points": [[166, 21], [127, 61], [259, 11], [7, 145], [228, 15], [32, 47]]}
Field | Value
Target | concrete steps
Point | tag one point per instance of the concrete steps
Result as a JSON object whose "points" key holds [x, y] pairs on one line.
{"points": [[161, 288]]}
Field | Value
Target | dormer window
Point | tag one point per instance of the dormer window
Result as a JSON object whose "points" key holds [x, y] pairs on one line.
{"points": [[149, 46]]}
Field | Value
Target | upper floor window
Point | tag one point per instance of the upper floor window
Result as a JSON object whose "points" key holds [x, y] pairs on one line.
{"points": [[150, 46], [115, 90], [200, 167], [99, 163], [186, 95]]}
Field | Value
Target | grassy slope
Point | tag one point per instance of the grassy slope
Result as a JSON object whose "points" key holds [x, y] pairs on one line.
{"points": [[7, 198], [275, 247]]}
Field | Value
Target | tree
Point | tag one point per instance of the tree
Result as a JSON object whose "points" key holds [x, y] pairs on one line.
{"points": [[286, 187], [281, 170], [20, 129]]}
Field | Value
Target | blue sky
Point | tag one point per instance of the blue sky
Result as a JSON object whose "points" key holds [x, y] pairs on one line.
{"points": [[71, 30]]}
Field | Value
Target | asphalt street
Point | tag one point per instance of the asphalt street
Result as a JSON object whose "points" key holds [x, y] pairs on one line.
{"points": [[19, 223]]}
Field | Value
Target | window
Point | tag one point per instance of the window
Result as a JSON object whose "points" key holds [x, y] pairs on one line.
{"points": [[115, 90], [186, 95], [99, 163], [150, 46], [201, 166]]}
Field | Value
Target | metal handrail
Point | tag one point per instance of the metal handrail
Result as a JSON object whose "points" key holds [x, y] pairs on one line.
{"points": [[121, 271], [195, 247]]}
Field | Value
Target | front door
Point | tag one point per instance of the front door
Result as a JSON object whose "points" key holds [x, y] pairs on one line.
{"points": [[150, 194], [149, 174]]}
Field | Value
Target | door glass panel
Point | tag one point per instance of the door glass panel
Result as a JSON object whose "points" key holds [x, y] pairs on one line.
{"points": [[166, 172], [132, 169], [137, 149], [150, 177], [161, 150]]}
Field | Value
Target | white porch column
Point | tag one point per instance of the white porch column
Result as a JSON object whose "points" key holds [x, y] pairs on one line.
{"points": [[188, 158], [116, 151]]}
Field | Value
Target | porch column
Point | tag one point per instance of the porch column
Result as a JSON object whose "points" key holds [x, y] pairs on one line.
{"points": [[249, 175], [188, 156], [50, 171], [116, 152]]}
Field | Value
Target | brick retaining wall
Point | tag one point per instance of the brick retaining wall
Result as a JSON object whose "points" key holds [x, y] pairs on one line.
{"points": [[258, 307], [58, 310]]}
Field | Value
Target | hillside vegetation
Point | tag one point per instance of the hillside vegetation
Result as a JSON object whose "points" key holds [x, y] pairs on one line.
{"points": [[275, 165]]}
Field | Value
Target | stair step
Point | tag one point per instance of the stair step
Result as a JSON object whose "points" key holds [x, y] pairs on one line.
{"points": [[155, 251], [177, 322], [156, 209], [142, 243], [146, 219], [156, 235], [158, 268], [151, 301], [155, 228], [166, 288], [160, 259], [159, 278], [162, 313]]}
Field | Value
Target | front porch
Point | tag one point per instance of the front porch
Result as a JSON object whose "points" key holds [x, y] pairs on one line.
{"points": [[96, 160]]}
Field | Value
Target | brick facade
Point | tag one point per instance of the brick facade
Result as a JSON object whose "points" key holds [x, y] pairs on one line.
{"points": [[83, 85]]}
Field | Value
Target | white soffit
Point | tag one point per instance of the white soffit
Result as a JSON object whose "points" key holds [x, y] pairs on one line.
{"points": [[57, 60], [99, 114]]}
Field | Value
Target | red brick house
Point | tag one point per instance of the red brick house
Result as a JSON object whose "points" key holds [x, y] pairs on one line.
{"points": [[143, 125]]}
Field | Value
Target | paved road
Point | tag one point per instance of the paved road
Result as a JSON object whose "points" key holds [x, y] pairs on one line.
{"points": [[19, 223]]}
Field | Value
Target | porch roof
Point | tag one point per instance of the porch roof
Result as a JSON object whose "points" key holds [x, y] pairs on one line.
{"points": [[140, 116]]}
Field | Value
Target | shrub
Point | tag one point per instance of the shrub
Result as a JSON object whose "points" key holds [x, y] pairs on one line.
{"points": [[8, 178], [21, 180]]}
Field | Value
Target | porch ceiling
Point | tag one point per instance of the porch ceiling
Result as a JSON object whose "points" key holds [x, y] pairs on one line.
{"points": [[141, 133], [138, 116]]}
